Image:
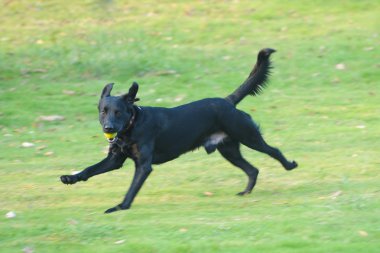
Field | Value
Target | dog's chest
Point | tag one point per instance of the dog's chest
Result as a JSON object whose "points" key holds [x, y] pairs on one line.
{"points": [[127, 147]]}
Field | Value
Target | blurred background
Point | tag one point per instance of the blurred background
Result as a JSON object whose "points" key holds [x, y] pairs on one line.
{"points": [[321, 108]]}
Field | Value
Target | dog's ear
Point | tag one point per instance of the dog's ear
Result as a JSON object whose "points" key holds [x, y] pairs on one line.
{"points": [[130, 97], [107, 90]]}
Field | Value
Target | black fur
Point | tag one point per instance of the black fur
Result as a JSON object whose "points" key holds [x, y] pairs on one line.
{"points": [[256, 80], [154, 135]]}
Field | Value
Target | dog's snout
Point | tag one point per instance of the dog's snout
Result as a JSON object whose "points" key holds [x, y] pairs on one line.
{"points": [[109, 129]]}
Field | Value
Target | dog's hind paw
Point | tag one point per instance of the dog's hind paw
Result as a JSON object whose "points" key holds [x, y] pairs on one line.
{"points": [[69, 179], [243, 193], [292, 165], [114, 209]]}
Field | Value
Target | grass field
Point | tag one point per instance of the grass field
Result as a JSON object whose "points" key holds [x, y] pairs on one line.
{"points": [[321, 108]]}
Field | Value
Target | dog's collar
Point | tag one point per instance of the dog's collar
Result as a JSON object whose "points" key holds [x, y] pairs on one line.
{"points": [[132, 119], [124, 141]]}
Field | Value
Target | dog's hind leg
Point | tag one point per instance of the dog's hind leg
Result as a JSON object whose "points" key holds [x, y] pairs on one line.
{"points": [[248, 133], [275, 153], [257, 142], [231, 151]]}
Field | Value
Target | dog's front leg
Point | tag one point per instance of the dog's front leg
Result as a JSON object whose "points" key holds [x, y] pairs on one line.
{"points": [[143, 167], [113, 161]]}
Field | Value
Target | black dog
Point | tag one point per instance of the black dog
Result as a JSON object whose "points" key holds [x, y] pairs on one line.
{"points": [[153, 135]]}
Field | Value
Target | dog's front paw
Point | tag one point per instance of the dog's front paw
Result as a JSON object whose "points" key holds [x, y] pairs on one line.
{"points": [[69, 179], [116, 208]]}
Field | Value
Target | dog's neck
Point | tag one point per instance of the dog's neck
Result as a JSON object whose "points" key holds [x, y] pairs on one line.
{"points": [[129, 126], [124, 143], [131, 121]]}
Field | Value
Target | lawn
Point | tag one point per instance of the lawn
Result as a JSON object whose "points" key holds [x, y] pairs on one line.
{"points": [[321, 108]]}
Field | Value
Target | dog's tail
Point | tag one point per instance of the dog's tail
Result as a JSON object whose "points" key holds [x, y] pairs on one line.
{"points": [[256, 80]]}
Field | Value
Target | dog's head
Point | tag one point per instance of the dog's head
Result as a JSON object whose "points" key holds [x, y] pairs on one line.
{"points": [[116, 112]]}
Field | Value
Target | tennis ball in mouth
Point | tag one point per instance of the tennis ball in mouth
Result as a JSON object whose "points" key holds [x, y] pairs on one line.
{"points": [[110, 135]]}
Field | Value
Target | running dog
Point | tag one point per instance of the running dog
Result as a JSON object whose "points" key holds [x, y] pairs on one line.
{"points": [[155, 135]]}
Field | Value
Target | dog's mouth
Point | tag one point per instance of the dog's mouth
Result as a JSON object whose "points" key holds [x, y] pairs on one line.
{"points": [[111, 137]]}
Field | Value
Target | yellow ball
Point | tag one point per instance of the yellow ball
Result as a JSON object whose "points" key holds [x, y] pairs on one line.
{"points": [[110, 135]]}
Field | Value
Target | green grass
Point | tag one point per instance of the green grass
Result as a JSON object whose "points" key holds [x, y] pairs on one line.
{"points": [[326, 119]]}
